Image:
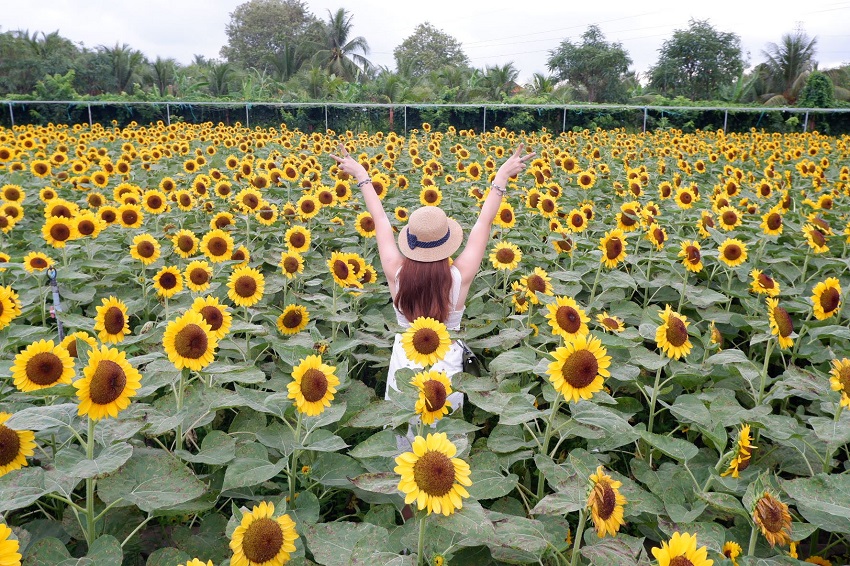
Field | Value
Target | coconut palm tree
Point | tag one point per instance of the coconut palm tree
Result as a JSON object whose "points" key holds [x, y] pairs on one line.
{"points": [[787, 66], [340, 54], [541, 85], [501, 80], [125, 63], [162, 74]]}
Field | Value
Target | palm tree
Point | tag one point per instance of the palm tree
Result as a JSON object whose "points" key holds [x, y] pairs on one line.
{"points": [[501, 80], [219, 77], [125, 62], [541, 85], [339, 54], [286, 62], [162, 74], [787, 66]]}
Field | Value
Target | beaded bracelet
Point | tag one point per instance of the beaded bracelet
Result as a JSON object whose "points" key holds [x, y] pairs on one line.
{"points": [[365, 181], [499, 189]]}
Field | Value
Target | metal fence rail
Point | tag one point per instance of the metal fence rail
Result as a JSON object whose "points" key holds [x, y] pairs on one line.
{"points": [[333, 113]]}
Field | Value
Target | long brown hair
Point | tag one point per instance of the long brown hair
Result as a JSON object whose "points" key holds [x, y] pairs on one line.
{"points": [[424, 289]]}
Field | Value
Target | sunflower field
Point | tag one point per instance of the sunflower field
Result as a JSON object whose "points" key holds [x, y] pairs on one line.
{"points": [[195, 334]]}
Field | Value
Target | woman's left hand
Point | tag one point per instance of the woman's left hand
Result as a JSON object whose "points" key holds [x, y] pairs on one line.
{"points": [[349, 165], [515, 164]]}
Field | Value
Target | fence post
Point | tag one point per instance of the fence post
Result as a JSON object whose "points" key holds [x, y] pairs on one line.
{"points": [[484, 129], [91, 125], [725, 118], [168, 114], [564, 124], [644, 119], [12, 114], [405, 120], [326, 118], [806, 123], [247, 122]]}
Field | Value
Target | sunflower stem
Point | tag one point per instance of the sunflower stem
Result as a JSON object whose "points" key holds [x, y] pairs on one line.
{"points": [[292, 470], [181, 389], [136, 530], [768, 351], [684, 288], [827, 461], [582, 519], [648, 274], [751, 549], [652, 401], [420, 548], [544, 448], [595, 282], [729, 289], [90, 536]]}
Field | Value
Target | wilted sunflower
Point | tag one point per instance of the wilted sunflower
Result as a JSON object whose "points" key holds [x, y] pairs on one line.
{"points": [[566, 318], [434, 388], [816, 239], [505, 217], [743, 452], [773, 518], [108, 383], [41, 365], [189, 341], [839, 379], [246, 286], [365, 225], [613, 246], [263, 540], [58, 231], [15, 447], [763, 284], [293, 319], [198, 275], [10, 306], [185, 243], [606, 503], [313, 385], [69, 342], [781, 325], [610, 323], [297, 239], [426, 341], [580, 368], [681, 550], [217, 245], [215, 314], [826, 298], [168, 281], [733, 252], [672, 335], [431, 476], [111, 320], [342, 272], [505, 255]]}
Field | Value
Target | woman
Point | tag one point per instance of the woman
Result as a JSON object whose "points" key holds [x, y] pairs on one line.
{"points": [[417, 269]]}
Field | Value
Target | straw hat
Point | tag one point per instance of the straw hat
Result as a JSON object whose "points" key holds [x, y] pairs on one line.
{"points": [[430, 235]]}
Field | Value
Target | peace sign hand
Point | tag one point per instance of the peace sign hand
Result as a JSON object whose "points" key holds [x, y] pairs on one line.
{"points": [[349, 165], [514, 165]]}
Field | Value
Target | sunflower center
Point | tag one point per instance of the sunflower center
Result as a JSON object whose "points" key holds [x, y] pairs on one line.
{"points": [[250, 201], [693, 255], [770, 514], [292, 318], [129, 216], [10, 443], [568, 319], [686, 198], [314, 385], [426, 341], [580, 369], [829, 299], [505, 255], [430, 195], [154, 202], [113, 320], [610, 323], [435, 395], [221, 222], [577, 220], [606, 500], [238, 255], [729, 218], [308, 206], [61, 210], [627, 218], [765, 281], [297, 240], [658, 234], [434, 473], [199, 276], [732, 252], [677, 332], [548, 205], [191, 342], [60, 232], [613, 248], [325, 197], [783, 322], [680, 561], [108, 216], [107, 383], [262, 540], [167, 280], [817, 237], [145, 249], [290, 264], [86, 227], [185, 243], [44, 368], [367, 224], [212, 315], [38, 262], [506, 215], [774, 221], [341, 269], [536, 283]]}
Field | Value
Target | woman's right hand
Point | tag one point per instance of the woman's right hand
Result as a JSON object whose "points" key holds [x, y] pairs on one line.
{"points": [[514, 165], [349, 165]]}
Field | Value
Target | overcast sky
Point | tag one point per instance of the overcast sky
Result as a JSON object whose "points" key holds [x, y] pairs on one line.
{"points": [[491, 31]]}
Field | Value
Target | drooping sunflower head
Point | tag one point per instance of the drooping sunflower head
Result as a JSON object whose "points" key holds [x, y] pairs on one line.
{"points": [[426, 341], [672, 336], [109, 381], [434, 388], [505, 256], [189, 342], [743, 453], [215, 314], [606, 503], [262, 539], [580, 368], [566, 318], [313, 385], [763, 283], [773, 518], [816, 239], [15, 447], [681, 550], [431, 476], [826, 298], [691, 256]]}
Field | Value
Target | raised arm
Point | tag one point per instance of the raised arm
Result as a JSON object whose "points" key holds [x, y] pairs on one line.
{"points": [[469, 260], [391, 258]]}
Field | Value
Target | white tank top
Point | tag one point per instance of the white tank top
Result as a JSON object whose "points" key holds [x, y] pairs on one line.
{"points": [[455, 316]]}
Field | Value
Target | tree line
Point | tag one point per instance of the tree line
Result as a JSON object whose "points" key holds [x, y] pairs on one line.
{"points": [[278, 50]]}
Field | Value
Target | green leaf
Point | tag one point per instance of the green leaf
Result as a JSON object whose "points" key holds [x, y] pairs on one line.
{"points": [[518, 360], [649, 360], [322, 440], [617, 429], [381, 444], [622, 550], [141, 481], [332, 469], [73, 463], [245, 472], [380, 482], [217, 448], [504, 439], [106, 550], [676, 448], [20, 488], [41, 418], [488, 481], [724, 502], [332, 543], [167, 557], [46, 551], [519, 409], [517, 539], [469, 521], [823, 500], [305, 509]]}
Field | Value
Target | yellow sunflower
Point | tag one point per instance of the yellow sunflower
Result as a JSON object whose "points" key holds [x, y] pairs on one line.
{"points": [[242, 255], [729, 218], [185, 243], [733, 252], [681, 550], [58, 231], [743, 452], [41, 365], [613, 246], [168, 281], [15, 447], [426, 341], [577, 221], [431, 476], [763, 284], [826, 298], [263, 540], [781, 324], [154, 201], [222, 220], [217, 245], [839, 379], [10, 306], [566, 318], [672, 336], [773, 518], [434, 388], [88, 225], [430, 196], [732, 550], [197, 562], [189, 341], [111, 320], [580, 368], [816, 239], [606, 503], [216, 315], [145, 248], [365, 225], [36, 261], [291, 263], [537, 282], [505, 216], [313, 385], [684, 198], [293, 319], [691, 256], [198, 275], [108, 383], [130, 215], [505, 256], [401, 214], [69, 342], [246, 286], [9, 555], [342, 272], [610, 323], [308, 206], [298, 239]]}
